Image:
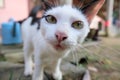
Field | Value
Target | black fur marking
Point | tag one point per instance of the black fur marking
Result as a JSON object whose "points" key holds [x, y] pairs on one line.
{"points": [[48, 5], [34, 13], [35, 10], [21, 21], [83, 61], [38, 24], [48, 76], [34, 20]]}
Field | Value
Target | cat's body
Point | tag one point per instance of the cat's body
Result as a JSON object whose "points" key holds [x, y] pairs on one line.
{"points": [[48, 50], [61, 28]]}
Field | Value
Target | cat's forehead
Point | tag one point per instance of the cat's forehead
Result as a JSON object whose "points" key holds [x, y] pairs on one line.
{"points": [[66, 10]]}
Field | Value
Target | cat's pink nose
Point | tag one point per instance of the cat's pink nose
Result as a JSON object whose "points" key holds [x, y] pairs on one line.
{"points": [[61, 36]]}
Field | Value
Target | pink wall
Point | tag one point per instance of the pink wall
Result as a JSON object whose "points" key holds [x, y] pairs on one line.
{"points": [[17, 9]]}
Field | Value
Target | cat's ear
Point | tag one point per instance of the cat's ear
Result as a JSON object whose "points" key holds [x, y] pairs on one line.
{"points": [[92, 8]]}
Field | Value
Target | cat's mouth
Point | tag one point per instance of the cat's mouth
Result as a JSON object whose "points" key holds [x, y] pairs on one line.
{"points": [[59, 47]]}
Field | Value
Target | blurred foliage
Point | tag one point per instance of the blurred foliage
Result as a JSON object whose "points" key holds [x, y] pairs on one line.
{"points": [[2, 57]]}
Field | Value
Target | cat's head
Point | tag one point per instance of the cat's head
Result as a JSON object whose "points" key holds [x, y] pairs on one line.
{"points": [[65, 26]]}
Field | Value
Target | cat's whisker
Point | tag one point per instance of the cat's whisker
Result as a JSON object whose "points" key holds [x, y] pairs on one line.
{"points": [[87, 50], [75, 52]]}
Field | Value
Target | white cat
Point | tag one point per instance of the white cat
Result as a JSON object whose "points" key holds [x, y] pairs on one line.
{"points": [[61, 28]]}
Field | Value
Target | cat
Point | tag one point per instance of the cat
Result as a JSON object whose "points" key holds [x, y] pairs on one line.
{"points": [[52, 36]]}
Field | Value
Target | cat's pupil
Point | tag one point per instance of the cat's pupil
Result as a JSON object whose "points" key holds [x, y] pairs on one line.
{"points": [[77, 24]]}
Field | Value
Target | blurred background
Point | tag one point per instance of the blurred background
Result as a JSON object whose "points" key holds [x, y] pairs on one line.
{"points": [[102, 46]]}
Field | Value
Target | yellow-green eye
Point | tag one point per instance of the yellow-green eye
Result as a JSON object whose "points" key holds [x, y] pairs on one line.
{"points": [[77, 25], [51, 19]]}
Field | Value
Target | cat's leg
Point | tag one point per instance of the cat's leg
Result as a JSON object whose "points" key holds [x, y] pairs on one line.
{"points": [[58, 74], [28, 59], [38, 72], [38, 69], [87, 75]]}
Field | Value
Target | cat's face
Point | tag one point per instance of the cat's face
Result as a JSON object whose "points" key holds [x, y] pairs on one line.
{"points": [[64, 27]]}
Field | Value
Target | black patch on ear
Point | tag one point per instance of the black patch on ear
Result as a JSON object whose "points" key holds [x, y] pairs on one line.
{"points": [[34, 12], [45, 6], [88, 5]]}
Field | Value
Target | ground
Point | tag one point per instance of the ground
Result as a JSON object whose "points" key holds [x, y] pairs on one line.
{"points": [[103, 60], [107, 55]]}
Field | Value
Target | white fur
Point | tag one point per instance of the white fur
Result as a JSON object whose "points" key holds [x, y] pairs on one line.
{"points": [[46, 57]]}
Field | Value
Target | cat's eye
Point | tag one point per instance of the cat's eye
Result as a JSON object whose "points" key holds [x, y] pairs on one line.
{"points": [[51, 19], [77, 25]]}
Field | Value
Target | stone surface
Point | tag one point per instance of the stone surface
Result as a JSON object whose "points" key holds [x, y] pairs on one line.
{"points": [[15, 57], [15, 72], [6, 65]]}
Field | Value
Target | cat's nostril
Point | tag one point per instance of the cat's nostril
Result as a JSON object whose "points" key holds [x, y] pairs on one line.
{"points": [[65, 37], [60, 36], [56, 36]]}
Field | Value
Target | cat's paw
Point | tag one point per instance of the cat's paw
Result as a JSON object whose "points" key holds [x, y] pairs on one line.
{"points": [[58, 75], [28, 72]]}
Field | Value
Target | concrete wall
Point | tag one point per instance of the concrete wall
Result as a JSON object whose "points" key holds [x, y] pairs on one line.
{"points": [[17, 9]]}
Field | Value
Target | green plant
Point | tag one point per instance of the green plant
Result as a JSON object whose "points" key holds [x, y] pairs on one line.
{"points": [[11, 75], [2, 57]]}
